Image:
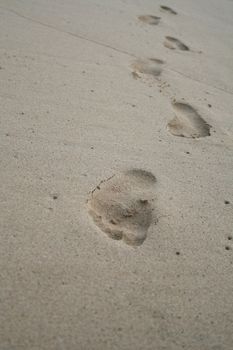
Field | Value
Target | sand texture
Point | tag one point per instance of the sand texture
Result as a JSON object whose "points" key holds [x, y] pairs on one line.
{"points": [[116, 175]]}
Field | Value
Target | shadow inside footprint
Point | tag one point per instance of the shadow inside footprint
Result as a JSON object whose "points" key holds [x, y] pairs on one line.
{"points": [[153, 20], [122, 206], [150, 66], [173, 43], [168, 9], [187, 122]]}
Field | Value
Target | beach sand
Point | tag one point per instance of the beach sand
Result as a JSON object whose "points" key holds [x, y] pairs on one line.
{"points": [[116, 122]]}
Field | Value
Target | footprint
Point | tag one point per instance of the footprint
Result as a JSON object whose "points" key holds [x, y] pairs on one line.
{"points": [[173, 43], [121, 206], [153, 20], [148, 66], [168, 9], [187, 122]]}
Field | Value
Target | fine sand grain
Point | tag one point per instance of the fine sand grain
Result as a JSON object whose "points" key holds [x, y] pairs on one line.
{"points": [[116, 207]]}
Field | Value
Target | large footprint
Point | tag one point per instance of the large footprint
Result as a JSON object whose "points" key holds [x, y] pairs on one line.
{"points": [[187, 122], [121, 206], [151, 66], [168, 9], [173, 43], [153, 20]]}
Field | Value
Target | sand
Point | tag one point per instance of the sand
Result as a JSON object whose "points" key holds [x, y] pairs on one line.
{"points": [[91, 91]]}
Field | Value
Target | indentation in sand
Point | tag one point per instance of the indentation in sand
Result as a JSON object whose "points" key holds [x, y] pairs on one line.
{"points": [[173, 43], [168, 9], [122, 205], [187, 122], [153, 20], [152, 66]]}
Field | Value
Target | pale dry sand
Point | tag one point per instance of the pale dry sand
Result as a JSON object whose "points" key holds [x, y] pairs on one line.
{"points": [[88, 91]]}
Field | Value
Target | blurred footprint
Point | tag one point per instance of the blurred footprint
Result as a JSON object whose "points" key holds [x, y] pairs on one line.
{"points": [[168, 9], [153, 20], [152, 66], [187, 122], [122, 205], [173, 43]]}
